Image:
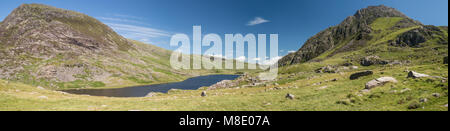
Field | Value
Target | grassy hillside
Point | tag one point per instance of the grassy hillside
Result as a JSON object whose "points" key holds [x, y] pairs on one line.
{"points": [[343, 94]]}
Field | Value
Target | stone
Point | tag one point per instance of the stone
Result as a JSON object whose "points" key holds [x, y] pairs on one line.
{"points": [[365, 91], [360, 74], [414, 105], [40, 87], [354, 67], [405, 90], [290, 96], [203, 94], [436, 95], [43, 97], [347, 64], [413, 74], [323, 87], [372, 60], [423, 100], [379, 82], [151, 94], [327, 69]]}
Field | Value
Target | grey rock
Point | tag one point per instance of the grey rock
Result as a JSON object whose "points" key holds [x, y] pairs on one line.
{"points": [[203, 94], [405, 90], [379, 82], [372, 60], [423, 100], [360, 74], [436, 95], [290, 96], [413, 74]]}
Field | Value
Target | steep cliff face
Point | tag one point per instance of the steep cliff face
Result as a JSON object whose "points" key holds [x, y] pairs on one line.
{"points": [[53, 47], [352, 34]]}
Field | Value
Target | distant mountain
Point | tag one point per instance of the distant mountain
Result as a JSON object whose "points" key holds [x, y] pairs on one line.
{"points": [[52, 47], [369, 27]]}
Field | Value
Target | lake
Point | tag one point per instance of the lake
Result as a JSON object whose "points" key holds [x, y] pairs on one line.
{"points": [[141, 91]]}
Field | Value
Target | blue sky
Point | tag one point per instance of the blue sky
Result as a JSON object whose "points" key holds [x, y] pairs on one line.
{"points": [[154, 21]]}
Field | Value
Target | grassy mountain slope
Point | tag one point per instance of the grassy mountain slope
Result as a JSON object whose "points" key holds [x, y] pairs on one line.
{"points": [[56, 48]]}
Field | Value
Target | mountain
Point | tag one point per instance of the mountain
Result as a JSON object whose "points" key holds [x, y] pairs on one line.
{"points": [[374, 26], [57, 48]]}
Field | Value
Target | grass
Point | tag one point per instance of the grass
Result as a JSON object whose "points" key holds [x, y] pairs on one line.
{"points": [[340, 95]]}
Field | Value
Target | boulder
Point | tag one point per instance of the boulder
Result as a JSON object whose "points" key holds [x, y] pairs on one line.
{"points": [[203, 94], [379, 82], [360, 74], [436, 95], [290, 96], [423, 100], [413, 74]]}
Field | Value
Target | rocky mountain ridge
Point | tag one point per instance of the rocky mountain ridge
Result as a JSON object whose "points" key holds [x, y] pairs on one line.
{"points": [[361, 29]]}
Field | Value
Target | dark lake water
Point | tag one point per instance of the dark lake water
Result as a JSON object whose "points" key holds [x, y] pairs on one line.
{"points": [[141, 91]]}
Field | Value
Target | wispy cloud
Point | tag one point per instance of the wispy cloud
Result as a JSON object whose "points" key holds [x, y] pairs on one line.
{"points": [[257, 21], [138, 30], [133, 27], [128, 16], [121, 20], [291, 51]]}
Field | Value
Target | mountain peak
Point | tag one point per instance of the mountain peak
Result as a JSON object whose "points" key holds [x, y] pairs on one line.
{"points": [[356, 32], [373, 12], [56, 25]]}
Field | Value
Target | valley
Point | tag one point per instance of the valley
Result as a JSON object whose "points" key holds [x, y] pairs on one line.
{"points": [[376, 60]]}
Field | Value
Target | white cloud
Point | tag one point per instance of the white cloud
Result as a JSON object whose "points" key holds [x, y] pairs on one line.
{"points": [[291, 51], [121, 20], [241, 58], [138, 31], [256, 21], [256, 59], [271, 61]]}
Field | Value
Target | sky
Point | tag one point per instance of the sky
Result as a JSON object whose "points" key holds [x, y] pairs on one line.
{"points": [[155, 21]]}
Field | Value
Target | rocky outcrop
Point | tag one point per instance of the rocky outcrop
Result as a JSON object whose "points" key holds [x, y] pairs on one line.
{"points": [[327, 69], [372, 60], [353, 33], [415, 37]]}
